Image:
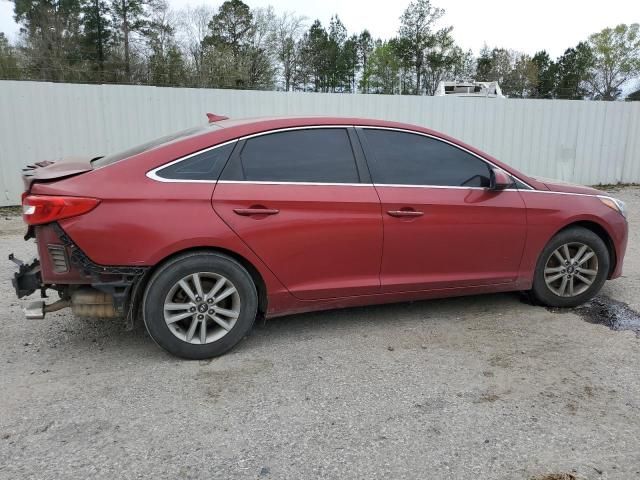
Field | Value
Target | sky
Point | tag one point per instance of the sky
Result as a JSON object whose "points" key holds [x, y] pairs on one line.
{"points": [[552, 25]]}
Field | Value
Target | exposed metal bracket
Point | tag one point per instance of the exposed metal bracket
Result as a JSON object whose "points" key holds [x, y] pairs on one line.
{"points": [[19, 263], [34, 310]]}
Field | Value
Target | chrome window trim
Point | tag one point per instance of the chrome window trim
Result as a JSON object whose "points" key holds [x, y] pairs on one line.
{"points": [[452, 187], [286, 129], [565, 193], [249, 182], [435, 137], [152, 174], [270, 182], [484, 188]]}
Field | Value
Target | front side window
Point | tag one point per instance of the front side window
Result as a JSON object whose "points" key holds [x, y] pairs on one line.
{"points": [[322, 155], [201, 166], [403, 158]]}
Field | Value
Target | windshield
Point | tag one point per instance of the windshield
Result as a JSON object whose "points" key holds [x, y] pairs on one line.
{"points": [[130, 152]]}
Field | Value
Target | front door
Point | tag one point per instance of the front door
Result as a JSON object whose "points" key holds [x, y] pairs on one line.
{"points": [[442, 227], [298, 200]]}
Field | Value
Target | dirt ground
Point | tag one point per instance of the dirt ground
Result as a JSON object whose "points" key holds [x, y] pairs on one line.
{"points": [[484, 387]]}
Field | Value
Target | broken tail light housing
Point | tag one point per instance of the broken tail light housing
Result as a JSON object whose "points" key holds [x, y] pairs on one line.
{"points": [[40, 209]]}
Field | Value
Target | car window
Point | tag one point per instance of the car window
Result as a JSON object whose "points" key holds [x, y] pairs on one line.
{"points": [[136, 150], [313, 155], [411, 159], [202, 166]]}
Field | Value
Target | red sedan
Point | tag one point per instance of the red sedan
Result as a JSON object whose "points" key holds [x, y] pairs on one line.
{"points": [[207, 229]]}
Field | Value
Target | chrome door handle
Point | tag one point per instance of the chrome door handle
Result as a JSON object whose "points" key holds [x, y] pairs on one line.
{"points": [[245, 212], [405, 213]]}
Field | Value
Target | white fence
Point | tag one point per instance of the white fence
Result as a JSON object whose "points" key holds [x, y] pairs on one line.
{"points": [[583, 142]]}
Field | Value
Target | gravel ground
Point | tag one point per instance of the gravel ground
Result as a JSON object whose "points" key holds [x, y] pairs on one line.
{"points": [[479, 387]]}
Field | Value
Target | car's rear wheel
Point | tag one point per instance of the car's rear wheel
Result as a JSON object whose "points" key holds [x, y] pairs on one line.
{"points": [[571, 269], [199, 305]]}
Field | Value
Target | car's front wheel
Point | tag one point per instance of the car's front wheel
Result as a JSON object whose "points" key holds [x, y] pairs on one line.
{"points": [[571, 269], [199, 305]]}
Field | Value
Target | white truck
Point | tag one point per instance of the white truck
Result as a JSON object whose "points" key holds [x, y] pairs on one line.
{"points": [[469, 89]]}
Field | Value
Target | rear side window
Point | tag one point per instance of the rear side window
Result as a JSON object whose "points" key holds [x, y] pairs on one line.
{"points": [[315, 155], [201, 166], [410, 159]]}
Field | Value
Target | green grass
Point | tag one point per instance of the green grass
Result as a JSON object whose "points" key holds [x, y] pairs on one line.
{"points": [[615, 186], [10, 211]]}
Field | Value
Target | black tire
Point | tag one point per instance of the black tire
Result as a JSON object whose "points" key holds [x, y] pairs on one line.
{"points": [[544, 295], [172, 272]]}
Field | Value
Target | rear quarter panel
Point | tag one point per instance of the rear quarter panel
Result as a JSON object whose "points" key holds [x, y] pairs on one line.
{"points": [[142, 222]]}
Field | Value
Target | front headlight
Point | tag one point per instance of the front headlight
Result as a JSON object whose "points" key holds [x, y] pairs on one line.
{"points": [[618, 205]]}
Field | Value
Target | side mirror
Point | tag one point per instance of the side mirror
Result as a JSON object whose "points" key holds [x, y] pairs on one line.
{"points": [[499, 179]]}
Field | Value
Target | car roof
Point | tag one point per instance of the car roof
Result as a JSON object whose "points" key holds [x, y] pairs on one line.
{"points": [[233, 128], [275, 122], [237, 128], [242, 127]]}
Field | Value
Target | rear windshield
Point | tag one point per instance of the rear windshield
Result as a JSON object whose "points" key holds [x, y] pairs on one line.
{"points": [[130, 152]]}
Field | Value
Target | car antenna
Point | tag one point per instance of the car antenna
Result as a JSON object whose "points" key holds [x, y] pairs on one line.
{"points": [[215, 118]]}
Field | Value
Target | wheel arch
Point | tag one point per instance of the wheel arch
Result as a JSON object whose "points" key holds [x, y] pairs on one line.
{"points": [[257, 278], [604, 235]]}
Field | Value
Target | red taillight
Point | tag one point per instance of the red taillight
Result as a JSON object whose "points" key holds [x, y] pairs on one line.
{"points": [[39, 209]]}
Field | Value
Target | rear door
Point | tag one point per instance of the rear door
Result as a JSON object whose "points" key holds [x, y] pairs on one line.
{"points": [[302, 200], [443, 228]]}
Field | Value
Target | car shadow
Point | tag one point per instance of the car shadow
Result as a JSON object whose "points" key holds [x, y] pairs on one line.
{"points": [[81, 336], [407, 314], [112, 338]]}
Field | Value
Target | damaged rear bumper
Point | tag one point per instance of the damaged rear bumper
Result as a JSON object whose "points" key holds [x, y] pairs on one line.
{"points": [[25, 281], [90, 289], [28, 278]]}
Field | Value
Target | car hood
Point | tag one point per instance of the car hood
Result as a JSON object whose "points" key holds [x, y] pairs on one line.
{"points": [[49, 170], [566, 187]]}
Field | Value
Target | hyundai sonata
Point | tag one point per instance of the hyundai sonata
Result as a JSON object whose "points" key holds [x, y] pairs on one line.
{"points": [[203, 231]]}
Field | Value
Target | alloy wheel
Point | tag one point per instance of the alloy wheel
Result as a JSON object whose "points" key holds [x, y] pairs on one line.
{"points": [[202, 307], [571, 269]]}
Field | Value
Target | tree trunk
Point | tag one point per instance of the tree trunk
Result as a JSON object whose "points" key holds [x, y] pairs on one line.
{"points": [[287, 74], [100, 41], [125, 30], [365, 76]]}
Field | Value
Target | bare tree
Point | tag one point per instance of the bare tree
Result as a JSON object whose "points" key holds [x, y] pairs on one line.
{"points": [[162, 24], [165, 60], [287, 30], [193, 27], [260, 67]]}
